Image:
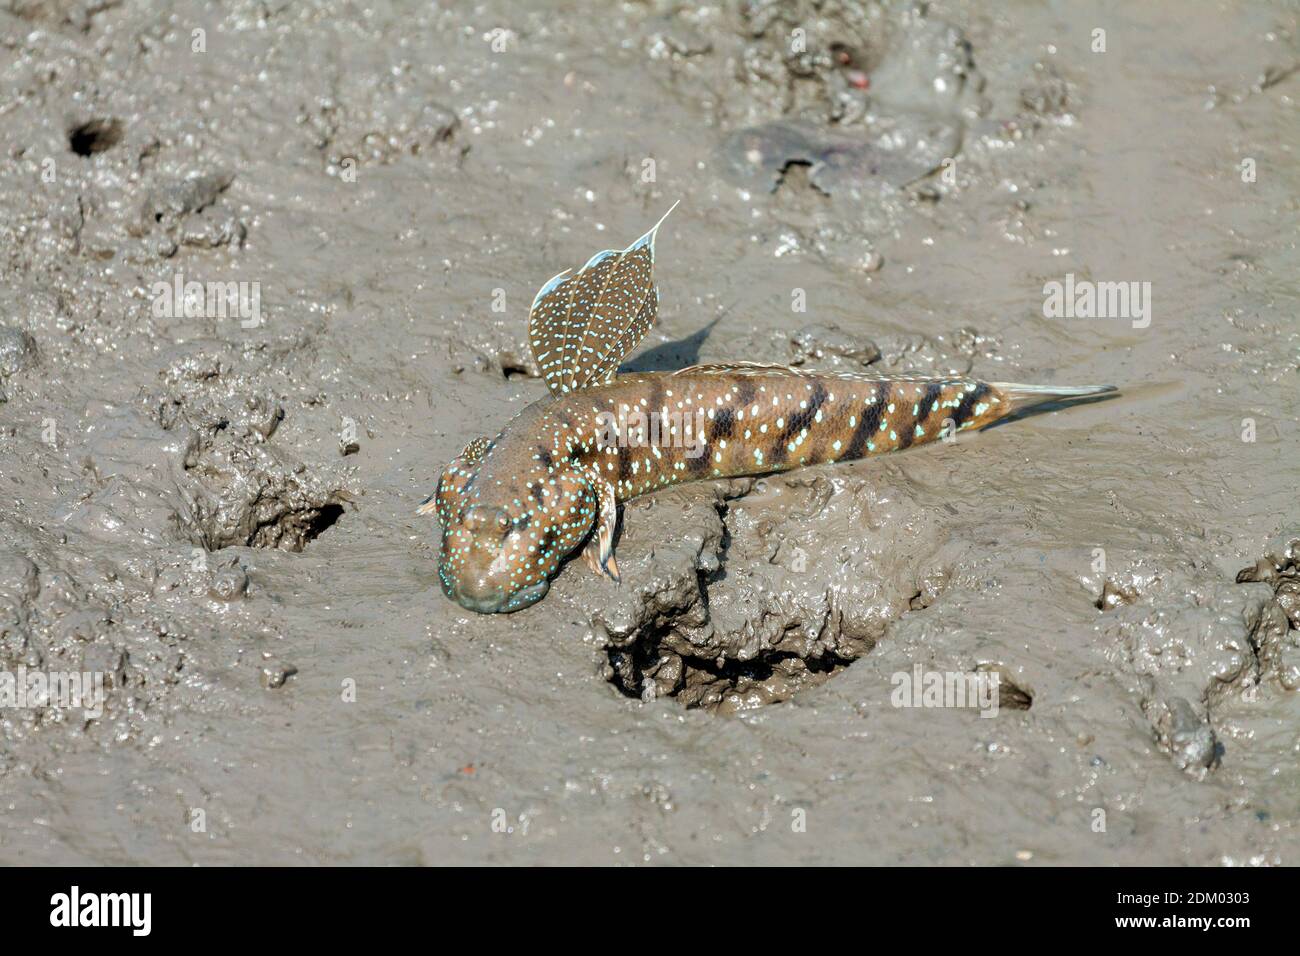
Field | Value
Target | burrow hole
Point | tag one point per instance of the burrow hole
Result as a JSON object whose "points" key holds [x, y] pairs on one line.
{"points": [[94, 136]]}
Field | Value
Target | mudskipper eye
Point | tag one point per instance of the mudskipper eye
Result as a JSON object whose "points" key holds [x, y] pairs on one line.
{"points": [[482, 518]]}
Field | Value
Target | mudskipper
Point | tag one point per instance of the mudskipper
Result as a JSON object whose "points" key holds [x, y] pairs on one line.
{"points": [[513, 507]]}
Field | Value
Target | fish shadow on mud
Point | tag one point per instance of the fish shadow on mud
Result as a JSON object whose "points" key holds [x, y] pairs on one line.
{"points": [[671, 356]]}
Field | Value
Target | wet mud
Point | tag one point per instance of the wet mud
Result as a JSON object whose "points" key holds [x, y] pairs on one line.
{"points": [[265, 268]]}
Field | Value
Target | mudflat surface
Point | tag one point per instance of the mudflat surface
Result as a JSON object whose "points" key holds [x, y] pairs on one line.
{"points": [[219, 514]]}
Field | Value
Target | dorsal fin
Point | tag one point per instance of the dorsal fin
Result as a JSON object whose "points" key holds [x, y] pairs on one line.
{"points": [[768, 368], [738, 368], [582, 327], [475, 450]]}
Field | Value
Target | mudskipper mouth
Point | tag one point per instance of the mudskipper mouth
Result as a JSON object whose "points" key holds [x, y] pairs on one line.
{"points": [[495, 601]]}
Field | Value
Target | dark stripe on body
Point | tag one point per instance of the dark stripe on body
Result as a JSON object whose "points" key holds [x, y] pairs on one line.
{"points": [[968, 402], [932, 392], [798, 421], [744, 392], [868, 423], [699, 462], [724, 422]]}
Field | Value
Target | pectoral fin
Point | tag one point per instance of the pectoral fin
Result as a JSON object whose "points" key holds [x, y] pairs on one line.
{"points": [[599, 552]]}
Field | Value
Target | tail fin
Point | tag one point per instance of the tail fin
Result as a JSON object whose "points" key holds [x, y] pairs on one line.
{"points": [[1021, 397]]}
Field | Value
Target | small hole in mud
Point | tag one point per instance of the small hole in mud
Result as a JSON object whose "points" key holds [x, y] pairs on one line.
{"points": [[294, 530], [324, 519], [1013, 696], [1114, 595], [513, 367], [94, 136], [797, 174], [645, 672]]}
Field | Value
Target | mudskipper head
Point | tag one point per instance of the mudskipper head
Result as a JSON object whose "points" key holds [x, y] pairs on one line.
{"points": [[509, 516], [513, 507]]}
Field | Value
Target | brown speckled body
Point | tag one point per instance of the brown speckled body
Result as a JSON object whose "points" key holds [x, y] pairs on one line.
{"points": [[753, 422]]}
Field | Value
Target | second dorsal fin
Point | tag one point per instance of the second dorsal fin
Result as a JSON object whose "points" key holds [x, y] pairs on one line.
{"points": [[741, 368]]}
